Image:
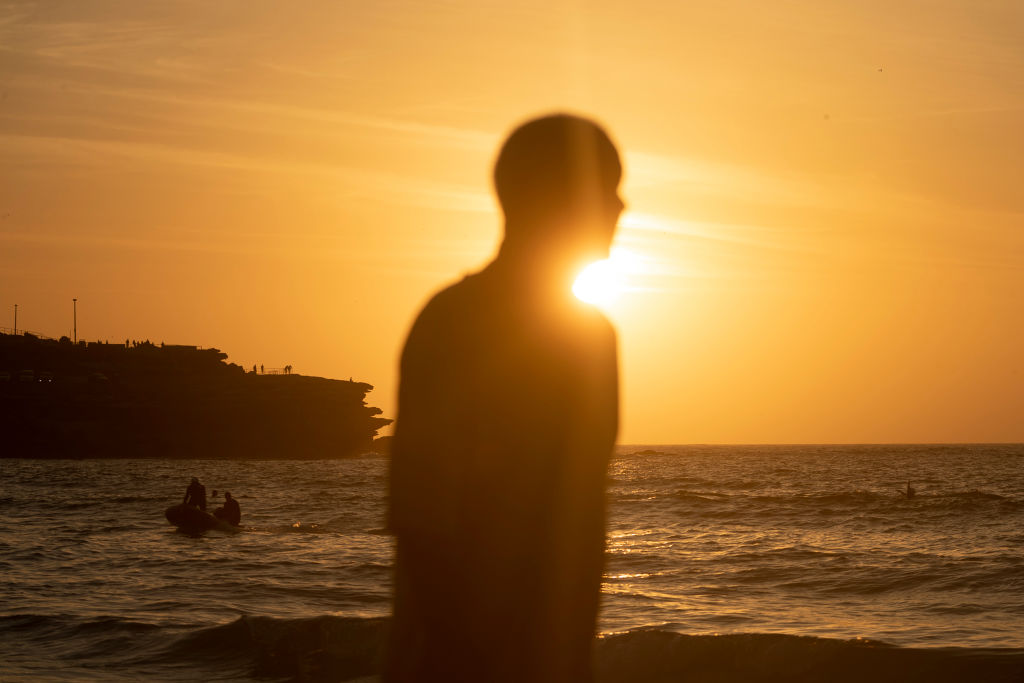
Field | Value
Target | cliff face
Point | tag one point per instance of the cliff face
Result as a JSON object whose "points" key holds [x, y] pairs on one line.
{"points": [[59, 400]]}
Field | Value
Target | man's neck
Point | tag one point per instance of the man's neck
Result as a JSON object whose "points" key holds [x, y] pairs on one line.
{"points": [[537, 267]]}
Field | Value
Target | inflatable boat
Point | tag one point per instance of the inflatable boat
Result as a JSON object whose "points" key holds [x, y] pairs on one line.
{"points": [[192, 520]]}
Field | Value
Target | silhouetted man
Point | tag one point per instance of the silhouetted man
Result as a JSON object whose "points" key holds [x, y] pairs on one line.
{"points": [[508, 411], [229, 512], [195, 494]]}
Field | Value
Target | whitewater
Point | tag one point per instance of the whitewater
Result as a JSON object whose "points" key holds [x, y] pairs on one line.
{"points": [[760, 563]]}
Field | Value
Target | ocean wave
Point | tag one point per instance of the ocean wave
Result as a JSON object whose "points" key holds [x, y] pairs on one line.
{"points": [[662, 656], [69, 626], [977, 500], [335, 648], [62, 640], [324, 648], [140, 499], [700, 496], [344, 648], [299, 528], [740, 500]]}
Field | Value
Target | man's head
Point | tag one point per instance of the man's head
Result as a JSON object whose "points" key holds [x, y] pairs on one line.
{"points": [[557, 180], [195, 480], [227, 495]]}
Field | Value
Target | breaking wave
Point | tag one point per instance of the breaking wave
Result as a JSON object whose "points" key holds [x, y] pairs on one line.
{"points": [[332, 648]]}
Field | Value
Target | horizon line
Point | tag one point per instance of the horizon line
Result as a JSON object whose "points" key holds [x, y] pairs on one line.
{"points": [[833, 443]]}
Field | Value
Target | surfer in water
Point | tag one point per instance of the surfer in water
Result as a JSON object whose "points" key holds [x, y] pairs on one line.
{"points": [[195, 494], [909, 493]]}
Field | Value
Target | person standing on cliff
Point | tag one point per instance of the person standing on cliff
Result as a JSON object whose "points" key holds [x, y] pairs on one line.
{"points": [[507, 416]]}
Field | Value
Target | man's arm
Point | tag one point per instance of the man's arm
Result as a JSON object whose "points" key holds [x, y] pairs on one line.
{"points": [[422, 468]]}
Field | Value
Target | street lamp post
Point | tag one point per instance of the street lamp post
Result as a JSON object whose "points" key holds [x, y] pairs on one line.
{"points": [[15, 319], [74, 318]]}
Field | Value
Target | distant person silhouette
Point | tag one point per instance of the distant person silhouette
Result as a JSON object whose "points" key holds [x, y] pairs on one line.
{"points": [[507, 415], [909, 493], [229, 512], [195, 494]]}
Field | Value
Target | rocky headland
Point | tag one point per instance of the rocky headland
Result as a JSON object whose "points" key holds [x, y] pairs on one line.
{"points": [[139, 400]]}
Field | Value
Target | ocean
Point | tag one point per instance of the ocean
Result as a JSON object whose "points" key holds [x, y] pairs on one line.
{"points": [[724, 563]]}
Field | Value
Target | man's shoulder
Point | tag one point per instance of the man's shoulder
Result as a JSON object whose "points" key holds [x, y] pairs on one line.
{"points": [[454, 300], [594, 322], [456, 293]]}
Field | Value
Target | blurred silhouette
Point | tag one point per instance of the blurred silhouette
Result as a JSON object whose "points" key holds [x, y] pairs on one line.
{"points": [[908, 493], [195, 495], [229, 512], [508, 411]]}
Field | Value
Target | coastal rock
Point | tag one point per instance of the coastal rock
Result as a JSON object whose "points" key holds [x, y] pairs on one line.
{"points": [[62, 400]]}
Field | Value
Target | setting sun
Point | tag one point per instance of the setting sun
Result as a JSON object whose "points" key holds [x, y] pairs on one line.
{"points": [[599, 283], [602, 282]]}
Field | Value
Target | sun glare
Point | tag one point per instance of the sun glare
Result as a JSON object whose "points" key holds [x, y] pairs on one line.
{"points": [[602, 282]]}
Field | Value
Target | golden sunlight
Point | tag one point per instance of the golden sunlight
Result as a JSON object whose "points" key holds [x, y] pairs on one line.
{"points": [[602, 282]]}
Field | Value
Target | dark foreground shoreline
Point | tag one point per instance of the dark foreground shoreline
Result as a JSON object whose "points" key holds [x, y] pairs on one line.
{"points": [[329, 648]]}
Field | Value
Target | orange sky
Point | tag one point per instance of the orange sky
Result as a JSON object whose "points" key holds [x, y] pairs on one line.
{"points": [[824, 197]]}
